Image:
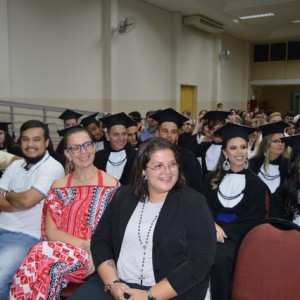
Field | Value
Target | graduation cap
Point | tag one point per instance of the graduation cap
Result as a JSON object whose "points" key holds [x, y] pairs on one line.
{"points": [[4, 126], [118, 119], [232, 130], [62, 132], [214, 115], [70, 114], [293, 141], [272, 128], [89, 120], [135, 115], [169, 115]]}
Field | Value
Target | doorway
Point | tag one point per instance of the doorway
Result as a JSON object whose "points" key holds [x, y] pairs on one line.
{"points": [[295, 102], [188, 96]]}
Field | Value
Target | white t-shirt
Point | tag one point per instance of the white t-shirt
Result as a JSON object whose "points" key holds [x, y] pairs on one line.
{"points": [[131, 255], [39, 177]]}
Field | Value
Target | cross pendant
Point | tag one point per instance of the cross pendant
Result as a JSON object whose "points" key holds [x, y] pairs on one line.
{"points": [[142, 278]]}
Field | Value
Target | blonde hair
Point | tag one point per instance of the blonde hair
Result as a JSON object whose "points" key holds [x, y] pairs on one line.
{"points": [[264, 150], [275, 114], [252, 123]]}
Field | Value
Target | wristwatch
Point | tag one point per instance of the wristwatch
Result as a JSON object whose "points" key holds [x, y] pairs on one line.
{"points": [[149, 295]]}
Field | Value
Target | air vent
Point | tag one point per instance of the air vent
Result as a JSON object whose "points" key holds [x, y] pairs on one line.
{"points": [[203, 24]]}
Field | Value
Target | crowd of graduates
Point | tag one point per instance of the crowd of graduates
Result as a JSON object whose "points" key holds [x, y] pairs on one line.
{"points": [[243, 164]]}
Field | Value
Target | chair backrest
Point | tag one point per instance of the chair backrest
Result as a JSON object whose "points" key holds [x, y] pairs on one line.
{"points": [[268, 263]]}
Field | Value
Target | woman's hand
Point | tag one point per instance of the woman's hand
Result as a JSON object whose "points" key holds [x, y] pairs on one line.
{"points": [[91, 268], [221, 235], [136, 294], [86, 245]]}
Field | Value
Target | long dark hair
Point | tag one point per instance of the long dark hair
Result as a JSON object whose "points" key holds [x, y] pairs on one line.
{"points": [[138, 183], [290, 186], [220, 171], [9, 142]]}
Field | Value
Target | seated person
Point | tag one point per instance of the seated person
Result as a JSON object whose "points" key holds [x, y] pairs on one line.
{"points": [[70, 119], [156, 240], [24, 185], [237, 199], [94, 127], [117, 158], [72, 210]]}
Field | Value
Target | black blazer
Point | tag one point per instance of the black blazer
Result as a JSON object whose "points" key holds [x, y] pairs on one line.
{"points": [[184, 239]]}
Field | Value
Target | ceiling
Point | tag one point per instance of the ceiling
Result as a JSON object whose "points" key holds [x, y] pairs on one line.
{"points": [[278, 28]]}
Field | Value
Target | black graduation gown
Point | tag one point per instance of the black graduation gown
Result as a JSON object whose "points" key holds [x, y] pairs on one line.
{"points": [[201, 152], [188, 141], [60, 147], [191, 168], [101, 158], [250, 209], [256, 163], [277, 205]]}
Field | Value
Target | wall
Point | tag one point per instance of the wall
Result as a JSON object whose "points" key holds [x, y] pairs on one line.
{"points": [[234, 89], [55, 51], [63, 53], [277, 97]]}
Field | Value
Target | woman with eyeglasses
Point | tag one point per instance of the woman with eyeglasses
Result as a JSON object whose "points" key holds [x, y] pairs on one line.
{"points": [[270, 162], [236, 198], [156, 240], [71, 212]]}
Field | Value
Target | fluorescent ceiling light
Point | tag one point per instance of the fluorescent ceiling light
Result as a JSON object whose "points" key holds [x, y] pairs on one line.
{"points": [[296, 21], [257, 16]]}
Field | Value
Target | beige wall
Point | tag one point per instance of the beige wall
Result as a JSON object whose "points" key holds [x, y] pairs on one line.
{"points": [[277, 97], [274, 82], [276, 70], [63, 53]]}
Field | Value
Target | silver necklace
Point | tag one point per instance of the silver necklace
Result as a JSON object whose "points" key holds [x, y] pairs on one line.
{"points": [[118, 163], [231, 197], [145, 243], [269, 177]]}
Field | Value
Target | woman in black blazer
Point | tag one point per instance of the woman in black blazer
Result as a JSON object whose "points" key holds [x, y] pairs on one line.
{"points": [[156, 240]]}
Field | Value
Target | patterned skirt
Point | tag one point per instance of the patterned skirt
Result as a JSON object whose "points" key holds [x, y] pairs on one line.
{"points": [[47, 269]]}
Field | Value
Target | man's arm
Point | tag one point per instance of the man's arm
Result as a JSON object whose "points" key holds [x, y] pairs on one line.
{"points": [[5, 205], [19, 201]]}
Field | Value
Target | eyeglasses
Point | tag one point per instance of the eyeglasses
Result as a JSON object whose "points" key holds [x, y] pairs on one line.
{"points": [[77, 148], [160, 168], [277, 141]]}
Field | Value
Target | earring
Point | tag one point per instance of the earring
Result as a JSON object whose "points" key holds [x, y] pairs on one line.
{"points": [[246, 164], [226, 165], [144, 178], [70, 159]]}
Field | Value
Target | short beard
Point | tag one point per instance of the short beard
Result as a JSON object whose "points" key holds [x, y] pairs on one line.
{"points": [[33, 160]]}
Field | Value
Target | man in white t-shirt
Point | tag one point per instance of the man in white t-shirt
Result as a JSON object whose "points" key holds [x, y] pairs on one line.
{"points": [[23, 187]]}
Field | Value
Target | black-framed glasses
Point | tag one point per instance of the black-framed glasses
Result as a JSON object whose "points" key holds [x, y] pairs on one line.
{"points": [[77, 148], [160, 167]]}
